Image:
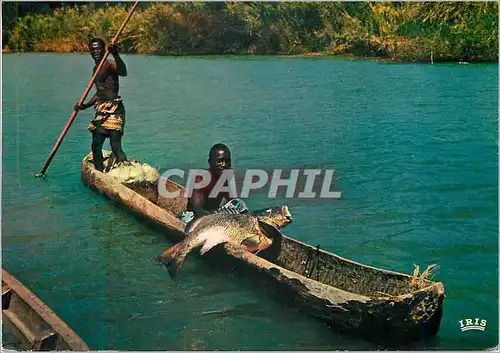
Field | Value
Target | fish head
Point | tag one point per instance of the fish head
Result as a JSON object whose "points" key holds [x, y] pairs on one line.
{"points": [[257, 242], [277, 216]]}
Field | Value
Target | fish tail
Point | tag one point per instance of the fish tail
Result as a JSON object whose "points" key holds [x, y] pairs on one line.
{"points": [[173, 258]]}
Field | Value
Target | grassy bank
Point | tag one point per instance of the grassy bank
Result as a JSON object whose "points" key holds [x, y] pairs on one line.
{"points": [[399, 31]]}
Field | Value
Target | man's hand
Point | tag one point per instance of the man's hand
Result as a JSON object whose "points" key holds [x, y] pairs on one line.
{"points": [[84, 106], [119, 65], [113, 49], [79, 107]]}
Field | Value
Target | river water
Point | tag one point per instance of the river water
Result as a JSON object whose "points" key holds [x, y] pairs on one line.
{"points": [[414, 147]]}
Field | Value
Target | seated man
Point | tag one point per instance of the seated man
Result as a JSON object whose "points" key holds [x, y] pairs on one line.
{"points": [[200, 204]]}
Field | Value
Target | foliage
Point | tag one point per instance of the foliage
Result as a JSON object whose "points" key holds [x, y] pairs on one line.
{"points": [[405, 30]]}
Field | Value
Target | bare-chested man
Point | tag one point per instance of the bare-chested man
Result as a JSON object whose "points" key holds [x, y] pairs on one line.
{"points": [[109, 120]]}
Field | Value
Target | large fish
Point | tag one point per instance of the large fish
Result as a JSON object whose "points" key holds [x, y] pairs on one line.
{"points": [[251, 230]]}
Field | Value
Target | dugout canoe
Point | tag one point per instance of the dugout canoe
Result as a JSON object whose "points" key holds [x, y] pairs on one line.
{"points": [[32, 324], [386, 307]]}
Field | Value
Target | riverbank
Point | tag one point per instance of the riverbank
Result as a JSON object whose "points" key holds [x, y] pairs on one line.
{"points": [[405, 32], [305, 55]]}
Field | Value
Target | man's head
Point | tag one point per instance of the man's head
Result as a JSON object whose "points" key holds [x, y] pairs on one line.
{"points": [[219, 158], [97, 48]]}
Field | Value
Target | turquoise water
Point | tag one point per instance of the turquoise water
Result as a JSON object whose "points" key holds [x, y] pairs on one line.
{"points": [[414, 146]]}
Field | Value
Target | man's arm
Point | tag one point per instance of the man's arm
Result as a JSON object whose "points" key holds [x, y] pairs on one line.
{"points": [[197, 203], [118, 64], [84, 106]]}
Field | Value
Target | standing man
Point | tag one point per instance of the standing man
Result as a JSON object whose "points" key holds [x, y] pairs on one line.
{"points": [[109, 119]]}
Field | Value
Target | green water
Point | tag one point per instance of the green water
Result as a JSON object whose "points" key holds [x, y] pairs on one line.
{"points": [[415, 148]]}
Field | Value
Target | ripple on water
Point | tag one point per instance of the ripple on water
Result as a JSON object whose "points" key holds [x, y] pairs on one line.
{"points": [[416, 160]]}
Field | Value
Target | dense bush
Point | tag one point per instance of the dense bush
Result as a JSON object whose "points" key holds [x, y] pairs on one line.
{"points": [[406, 30]]}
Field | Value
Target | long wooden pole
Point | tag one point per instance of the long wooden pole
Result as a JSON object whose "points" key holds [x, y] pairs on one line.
{"points": [[85, 93]]}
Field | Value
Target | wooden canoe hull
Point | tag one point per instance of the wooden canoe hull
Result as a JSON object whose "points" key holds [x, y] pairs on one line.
{"points": [[34, 325], [340, 295], [390, 323]]}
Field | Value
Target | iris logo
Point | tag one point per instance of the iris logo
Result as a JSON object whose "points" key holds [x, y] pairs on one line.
{"points": [[472, 324]]}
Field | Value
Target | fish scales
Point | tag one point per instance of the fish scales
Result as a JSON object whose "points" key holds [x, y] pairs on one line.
{"points": [[214, 229], [222, 228]]}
